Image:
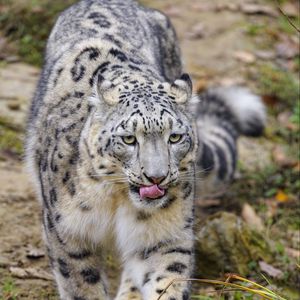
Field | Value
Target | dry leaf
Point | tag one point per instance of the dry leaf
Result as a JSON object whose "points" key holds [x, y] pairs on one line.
{"points": [[281, 196], [270, 270], [30, 273], [244, 56], [251, 218]]}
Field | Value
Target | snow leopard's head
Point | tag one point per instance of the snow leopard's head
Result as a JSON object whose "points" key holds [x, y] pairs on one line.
{"points": [[140, 135]]}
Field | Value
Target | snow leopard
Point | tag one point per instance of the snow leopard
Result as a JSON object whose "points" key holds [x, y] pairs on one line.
{"points": [[116, 141]]}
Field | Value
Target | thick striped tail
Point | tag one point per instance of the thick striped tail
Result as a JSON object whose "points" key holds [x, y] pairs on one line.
{"points": [[222, 115]]}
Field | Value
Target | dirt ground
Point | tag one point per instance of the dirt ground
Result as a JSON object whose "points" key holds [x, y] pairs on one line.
{"points": [[217, 49]]}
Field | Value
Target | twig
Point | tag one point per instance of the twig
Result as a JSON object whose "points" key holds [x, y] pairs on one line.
{"points": [[254, 288], [287, 17]]}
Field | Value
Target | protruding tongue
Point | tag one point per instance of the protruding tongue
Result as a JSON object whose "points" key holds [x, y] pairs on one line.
{"points": [[152, 192]]}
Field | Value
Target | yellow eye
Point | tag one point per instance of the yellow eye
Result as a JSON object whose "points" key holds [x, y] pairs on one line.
{"points": [[129, 139], [175, 138]]}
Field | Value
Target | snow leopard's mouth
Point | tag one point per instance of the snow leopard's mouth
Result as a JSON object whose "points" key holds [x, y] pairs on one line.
{"points": [[149, 193]]}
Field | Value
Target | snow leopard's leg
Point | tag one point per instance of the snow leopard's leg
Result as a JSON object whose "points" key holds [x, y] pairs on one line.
{"points": [[153, 269], [128, 290], [168, 47], [77, 269]]}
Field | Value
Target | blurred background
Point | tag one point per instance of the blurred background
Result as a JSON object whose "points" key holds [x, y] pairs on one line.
{"points": [[238, 42]]}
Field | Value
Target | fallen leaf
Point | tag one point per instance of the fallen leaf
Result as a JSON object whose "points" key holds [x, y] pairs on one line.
{"points": [[281, 196], [244, 56], [270, 270], [251, 218], [257, 9], [197, 31], [30, 273]]}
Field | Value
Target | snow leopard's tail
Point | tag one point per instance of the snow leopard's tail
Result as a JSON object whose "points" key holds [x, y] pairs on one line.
{"points": [[223, 114]]}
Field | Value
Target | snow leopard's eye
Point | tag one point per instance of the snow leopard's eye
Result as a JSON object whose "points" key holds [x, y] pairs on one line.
{"points": [[129, 139], [175, 138]]}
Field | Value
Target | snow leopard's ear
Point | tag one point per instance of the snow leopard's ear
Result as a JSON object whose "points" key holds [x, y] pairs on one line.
{"points": [[106, 92], [182, 89]]}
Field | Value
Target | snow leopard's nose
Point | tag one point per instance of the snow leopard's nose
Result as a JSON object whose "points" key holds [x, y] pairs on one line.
{"points": [[155, 180]]}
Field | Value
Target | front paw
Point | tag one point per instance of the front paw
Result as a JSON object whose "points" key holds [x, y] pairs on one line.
{"points": [[166, 291]]}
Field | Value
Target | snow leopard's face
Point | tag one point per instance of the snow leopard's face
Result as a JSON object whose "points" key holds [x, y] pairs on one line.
{"points": [[148, 140]]}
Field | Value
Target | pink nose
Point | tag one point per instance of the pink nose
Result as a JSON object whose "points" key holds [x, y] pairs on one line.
{"points": [[157, 180]]}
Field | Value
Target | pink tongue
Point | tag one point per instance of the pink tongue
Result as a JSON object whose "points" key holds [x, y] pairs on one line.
{"points": [[153, 191]]}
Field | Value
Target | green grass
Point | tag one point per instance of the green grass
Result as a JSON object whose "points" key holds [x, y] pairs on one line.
{"points": [[28, 24], [8, 290]]}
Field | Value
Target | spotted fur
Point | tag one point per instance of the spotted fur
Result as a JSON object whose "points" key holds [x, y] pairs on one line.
{"points": [[113, 70]]}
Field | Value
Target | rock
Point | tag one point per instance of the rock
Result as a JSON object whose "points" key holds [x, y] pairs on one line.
{"points": [[225, 244]]}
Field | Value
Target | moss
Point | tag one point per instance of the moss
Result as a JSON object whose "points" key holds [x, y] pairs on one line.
{"points": [[229, 245]]}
